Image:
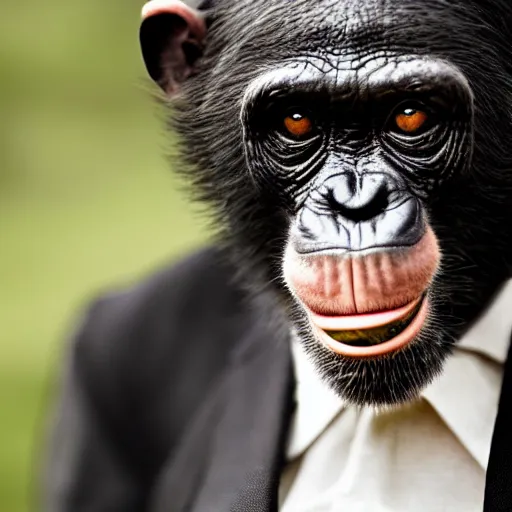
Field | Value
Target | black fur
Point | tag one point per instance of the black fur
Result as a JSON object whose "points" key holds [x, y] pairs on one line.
{"points": [[471, 213]]}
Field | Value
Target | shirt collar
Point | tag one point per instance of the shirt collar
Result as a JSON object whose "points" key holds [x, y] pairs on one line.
{"points": [[465, 395], [490, 335]]}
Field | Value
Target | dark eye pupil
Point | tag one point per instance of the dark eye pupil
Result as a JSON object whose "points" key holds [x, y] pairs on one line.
{"points": [[409, 112], [296, 116]]}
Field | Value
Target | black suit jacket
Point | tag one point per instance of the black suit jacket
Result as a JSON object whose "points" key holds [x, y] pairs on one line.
{"points": [[177, 397]]}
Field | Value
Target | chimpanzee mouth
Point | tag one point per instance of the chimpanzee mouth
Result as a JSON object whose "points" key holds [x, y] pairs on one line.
{"points": [[373, 334]]}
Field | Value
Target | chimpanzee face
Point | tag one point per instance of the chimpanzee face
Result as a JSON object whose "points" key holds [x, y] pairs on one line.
{"points": [[356, 157]]}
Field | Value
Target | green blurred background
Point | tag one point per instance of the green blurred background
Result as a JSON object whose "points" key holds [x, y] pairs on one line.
{"points": [[87, 199]]}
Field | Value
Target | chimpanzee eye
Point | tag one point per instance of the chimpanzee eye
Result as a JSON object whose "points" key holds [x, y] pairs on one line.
{"points": [[410, 119], [298, 124]]}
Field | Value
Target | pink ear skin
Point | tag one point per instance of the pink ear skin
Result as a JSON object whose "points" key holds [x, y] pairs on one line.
{"points": [[171, 37]]}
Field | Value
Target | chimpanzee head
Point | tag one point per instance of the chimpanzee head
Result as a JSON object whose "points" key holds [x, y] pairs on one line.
{"points": [[357, 157]]}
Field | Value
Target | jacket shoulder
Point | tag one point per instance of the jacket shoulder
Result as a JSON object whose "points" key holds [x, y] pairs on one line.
{"points": [[178, 309], [145, 354], [137, 371]]}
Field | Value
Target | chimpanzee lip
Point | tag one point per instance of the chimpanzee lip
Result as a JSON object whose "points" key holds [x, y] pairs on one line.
{"points": [[374, 334]]}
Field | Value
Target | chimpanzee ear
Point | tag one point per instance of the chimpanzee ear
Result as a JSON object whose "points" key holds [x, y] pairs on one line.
{"points": [[171, 38]]}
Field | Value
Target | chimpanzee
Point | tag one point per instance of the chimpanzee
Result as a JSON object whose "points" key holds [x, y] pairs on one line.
{"points": [[343, 344]]}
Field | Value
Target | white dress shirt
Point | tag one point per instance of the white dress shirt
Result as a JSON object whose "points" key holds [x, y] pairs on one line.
{"points": [[427, 456]]}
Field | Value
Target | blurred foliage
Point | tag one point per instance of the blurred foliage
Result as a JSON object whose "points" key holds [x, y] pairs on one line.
{"points": [[86, 198]]}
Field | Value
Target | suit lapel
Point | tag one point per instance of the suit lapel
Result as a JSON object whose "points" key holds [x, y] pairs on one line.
{"points": [[498, 487], [230, 456], [248, 441]]}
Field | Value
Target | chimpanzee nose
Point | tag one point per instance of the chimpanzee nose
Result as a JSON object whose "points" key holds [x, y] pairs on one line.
{"points": [[357, 212], [358, 198]]}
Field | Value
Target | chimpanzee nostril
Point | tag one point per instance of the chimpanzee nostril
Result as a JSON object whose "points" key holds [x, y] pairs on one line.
{"points": [[364, 202]]}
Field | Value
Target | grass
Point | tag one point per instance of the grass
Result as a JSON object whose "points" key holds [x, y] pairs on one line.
{"points": [[86, 198]]}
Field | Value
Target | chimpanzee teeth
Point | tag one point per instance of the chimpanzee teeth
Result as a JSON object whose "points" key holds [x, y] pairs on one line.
{"points": [[377, 335]]}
